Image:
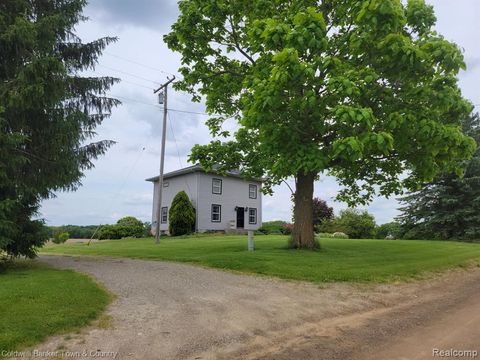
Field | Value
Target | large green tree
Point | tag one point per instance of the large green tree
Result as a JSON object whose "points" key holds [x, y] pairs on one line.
{"points": [[48, 112], [362, 90], [448, 207]]}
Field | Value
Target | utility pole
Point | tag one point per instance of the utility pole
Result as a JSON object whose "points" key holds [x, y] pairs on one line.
{"points": [[164, 87]]}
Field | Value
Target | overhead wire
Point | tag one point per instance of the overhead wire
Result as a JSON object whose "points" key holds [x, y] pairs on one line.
{"points": [[117, 194], [139, 64], [130, 74], [121, 97], [178, 152]]}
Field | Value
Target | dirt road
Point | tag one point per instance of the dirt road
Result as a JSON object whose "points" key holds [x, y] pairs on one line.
{"points": [[174, 311]]}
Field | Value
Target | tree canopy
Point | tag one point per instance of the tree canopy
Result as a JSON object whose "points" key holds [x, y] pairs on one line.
{"points": [[448, 207], [365, 91], [48, 112]]}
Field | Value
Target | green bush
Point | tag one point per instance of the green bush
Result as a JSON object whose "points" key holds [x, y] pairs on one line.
{"points": [[392, 229], [130, 221], [324, 235], [181, 215], [356, 224], [272, 227], [60, 237], [108, 232], [128, 226]]}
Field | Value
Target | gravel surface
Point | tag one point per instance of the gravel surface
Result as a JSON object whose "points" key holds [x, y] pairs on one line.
{"points": [[167, 310]]}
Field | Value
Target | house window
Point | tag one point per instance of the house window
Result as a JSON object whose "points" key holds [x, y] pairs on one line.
{"points": [[216, 213], [165, 184], [216, 186], [252, 216], [164, 214], [252, 191]]}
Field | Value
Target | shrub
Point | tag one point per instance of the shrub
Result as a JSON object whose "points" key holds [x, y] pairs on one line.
{"points": [[147, 229], [108, 232], [390, 230], [356, 224], [130, 221], [60, 237], [287, 229], [330, 226], [272, 227], [340, 235], [321, 211], [324, 235], [181, 215], [128, 226]]}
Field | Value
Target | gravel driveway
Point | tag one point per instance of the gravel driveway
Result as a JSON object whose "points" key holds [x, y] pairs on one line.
{"points": [[167, 310]]}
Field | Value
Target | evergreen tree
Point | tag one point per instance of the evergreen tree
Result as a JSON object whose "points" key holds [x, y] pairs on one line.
{"points": [[449, 207], [181, 216], [48, 112]]}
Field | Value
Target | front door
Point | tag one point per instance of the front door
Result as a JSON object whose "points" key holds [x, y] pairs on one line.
{"points": [[240, 217]]}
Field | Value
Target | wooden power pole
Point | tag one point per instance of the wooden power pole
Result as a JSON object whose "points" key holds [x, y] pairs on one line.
{"points": [[162, 96]]}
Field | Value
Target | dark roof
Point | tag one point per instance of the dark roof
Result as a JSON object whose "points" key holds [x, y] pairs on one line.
{"points": [[193, 169]]}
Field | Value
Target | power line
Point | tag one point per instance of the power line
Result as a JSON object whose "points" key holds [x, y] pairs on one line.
{"points": [[129, 74], [178, 153], [190, 112], [109, 206], [137, 84], [158, 107], [134, 101], [138, 63]]}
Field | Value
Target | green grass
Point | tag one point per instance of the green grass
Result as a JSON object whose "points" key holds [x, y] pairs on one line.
{"points": [[338, 260], [37, 301]]}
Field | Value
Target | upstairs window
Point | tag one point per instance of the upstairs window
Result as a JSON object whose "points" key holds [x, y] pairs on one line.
{"points": [[217, 186], [164, 214], [216, 213], [252, 191], [252, 216]]}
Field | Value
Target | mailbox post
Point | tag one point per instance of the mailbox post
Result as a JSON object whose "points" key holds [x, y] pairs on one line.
{"points": [[251, 245]]}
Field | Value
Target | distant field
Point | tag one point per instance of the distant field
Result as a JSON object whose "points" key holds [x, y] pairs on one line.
{"points": [[37, 301], [338, 260]]}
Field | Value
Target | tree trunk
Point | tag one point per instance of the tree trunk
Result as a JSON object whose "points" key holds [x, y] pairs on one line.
{"points": [[303, 236]]}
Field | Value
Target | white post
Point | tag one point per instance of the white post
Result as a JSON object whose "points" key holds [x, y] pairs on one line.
{"points": [[251, 245]]}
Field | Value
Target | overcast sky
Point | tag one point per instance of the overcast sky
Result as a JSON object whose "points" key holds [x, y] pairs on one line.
{"points": [[117, 187]]}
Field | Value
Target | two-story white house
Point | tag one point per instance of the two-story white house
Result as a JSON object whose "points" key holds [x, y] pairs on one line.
{"points": [[222, 203]]}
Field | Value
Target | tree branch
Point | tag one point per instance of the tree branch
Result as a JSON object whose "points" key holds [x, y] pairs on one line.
{"points": [[233, 33]]}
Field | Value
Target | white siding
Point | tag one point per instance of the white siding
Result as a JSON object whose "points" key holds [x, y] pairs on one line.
{"points": [[198, 186], [234, 193], [176, 184]]}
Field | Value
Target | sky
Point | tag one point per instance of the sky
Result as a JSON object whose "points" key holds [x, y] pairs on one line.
{"points": [[116, 187]]}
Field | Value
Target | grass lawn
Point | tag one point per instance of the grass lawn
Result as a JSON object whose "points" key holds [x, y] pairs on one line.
{"points": [[338, 260], [37, 301]]}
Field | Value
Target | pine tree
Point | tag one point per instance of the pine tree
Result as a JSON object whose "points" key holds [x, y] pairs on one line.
{"points": [[181, 217], [449, 207], [48, 112]]}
